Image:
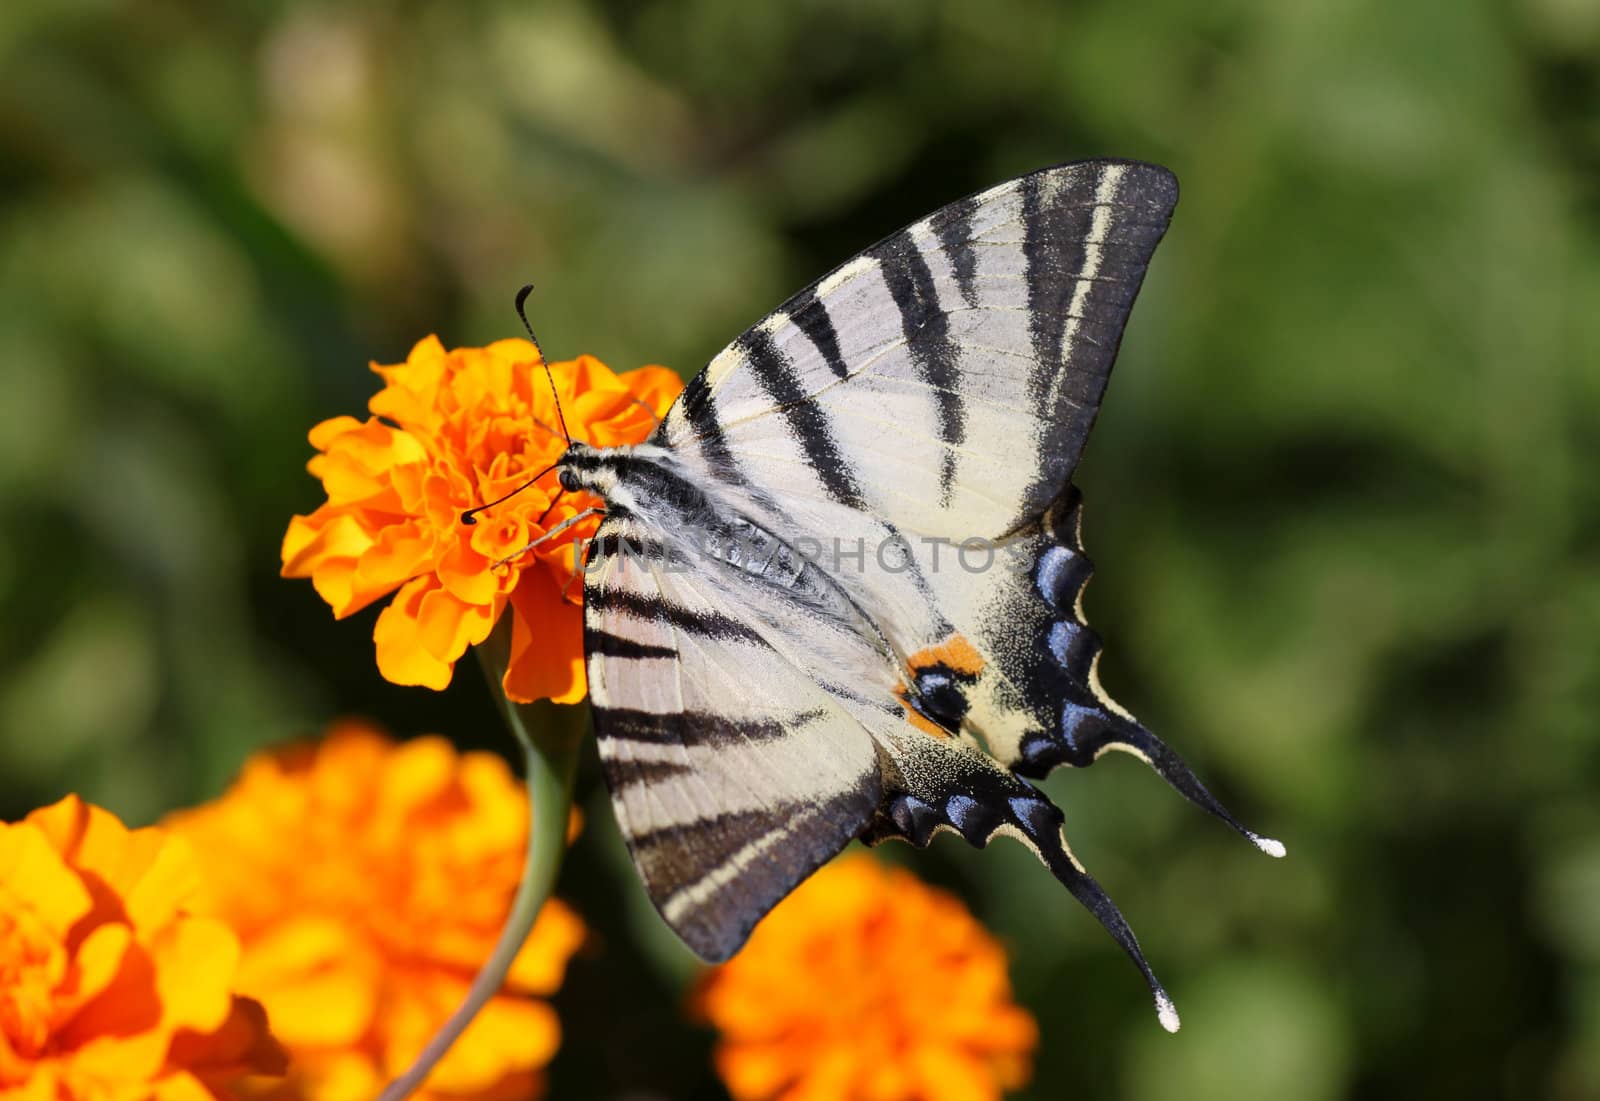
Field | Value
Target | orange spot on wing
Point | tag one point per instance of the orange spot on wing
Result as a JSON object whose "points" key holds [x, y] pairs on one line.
{"points": [[956, 656], [954, 653]]}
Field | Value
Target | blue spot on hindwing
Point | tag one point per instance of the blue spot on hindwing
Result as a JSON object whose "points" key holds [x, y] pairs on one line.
{"points": [[1035, 815], [1074, 716], [1066, 639], [1051, 574], [959, 808], [914, 818]]}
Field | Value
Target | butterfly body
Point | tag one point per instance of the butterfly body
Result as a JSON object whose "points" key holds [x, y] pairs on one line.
{"points": [[837, 593]]}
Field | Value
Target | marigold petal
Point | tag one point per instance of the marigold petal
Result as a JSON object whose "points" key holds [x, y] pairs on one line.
{"points": [[323, 435], [415, 773], [118, 1033], [325, 534], [590, 376], [828, 1077], [546, 643], [542, 963], [398, 553], [33, 875], [93, 840], [313, 977], [42, 1084], [447, 625], [402, 657], [166, 886], [195, 963], [757, 1071], [947, 1074], [510, 1034], [95, 965], [338, 1075], [466, 575], [411, 387], [180, 1087], [657, 387]]}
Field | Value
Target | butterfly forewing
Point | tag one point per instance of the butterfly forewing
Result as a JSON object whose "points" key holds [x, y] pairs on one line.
{"points": [[945, 380]]}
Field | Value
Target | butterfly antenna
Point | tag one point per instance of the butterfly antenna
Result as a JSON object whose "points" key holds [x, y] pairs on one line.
{"points": [[470, 516], [522, 298]]}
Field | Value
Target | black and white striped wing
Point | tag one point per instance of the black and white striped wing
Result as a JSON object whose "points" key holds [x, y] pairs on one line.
{"points": [[733, 774], [945, 380]]}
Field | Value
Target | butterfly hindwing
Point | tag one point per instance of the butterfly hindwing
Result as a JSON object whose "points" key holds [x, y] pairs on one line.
{"points": [[732, 773]]}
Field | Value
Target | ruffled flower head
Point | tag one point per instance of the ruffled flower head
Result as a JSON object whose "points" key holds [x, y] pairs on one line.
{"points": [[368, 882], [866, 985], [111, 989], [451, 431]]}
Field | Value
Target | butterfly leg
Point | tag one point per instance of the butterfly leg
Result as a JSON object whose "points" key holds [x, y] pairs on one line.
{"points": [[552, 533]]}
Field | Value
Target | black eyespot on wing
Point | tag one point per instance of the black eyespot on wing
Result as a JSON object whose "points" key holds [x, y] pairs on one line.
{"points": [[939, 695]]}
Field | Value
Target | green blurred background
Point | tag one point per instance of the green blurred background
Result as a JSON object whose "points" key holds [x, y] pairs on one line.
{"points": [[1343, 492]]}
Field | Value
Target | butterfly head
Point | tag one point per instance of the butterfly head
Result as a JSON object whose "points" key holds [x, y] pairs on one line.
{"points": [[584, 466]]}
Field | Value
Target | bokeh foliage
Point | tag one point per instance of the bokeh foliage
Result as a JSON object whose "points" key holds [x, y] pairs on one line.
{"points": [[1343, 493]]}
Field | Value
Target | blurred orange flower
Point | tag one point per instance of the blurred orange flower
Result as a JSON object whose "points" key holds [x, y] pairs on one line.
{"points": [[866, 985], [450, 431], [368, 882], [110, 988]]}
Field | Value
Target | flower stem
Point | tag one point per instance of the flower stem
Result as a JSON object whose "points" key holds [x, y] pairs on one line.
{"points": [[550, 744]]}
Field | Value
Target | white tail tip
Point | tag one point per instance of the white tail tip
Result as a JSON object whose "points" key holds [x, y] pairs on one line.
{"points": [[1166, 1012], [1269, 846]]}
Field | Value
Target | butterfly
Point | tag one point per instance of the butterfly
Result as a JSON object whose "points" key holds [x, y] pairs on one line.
{"points": [[837, 593]]}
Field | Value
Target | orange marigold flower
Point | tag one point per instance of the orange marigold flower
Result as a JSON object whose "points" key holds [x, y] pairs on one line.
{"points": [[368, 882], [111, 989], [867, 985], [450, 431]]}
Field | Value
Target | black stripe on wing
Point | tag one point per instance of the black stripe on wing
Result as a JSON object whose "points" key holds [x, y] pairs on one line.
{"points": [[926, 327], [700, 410], [1087, 239], [702, 727], [657, 609], [808, 312], [808, 421], [606, 644], [713, 873], [952, 225], [755, 858]]}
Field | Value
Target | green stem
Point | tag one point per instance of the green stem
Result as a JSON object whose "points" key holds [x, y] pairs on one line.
{"points": [[550, 757]]}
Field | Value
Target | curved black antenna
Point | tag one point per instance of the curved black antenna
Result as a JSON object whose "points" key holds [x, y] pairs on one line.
{"points": [[522, 297], [470, 516]]}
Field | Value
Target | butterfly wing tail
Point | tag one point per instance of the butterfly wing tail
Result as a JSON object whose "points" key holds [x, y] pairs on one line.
{"points": [[1131, 738], [1052, 849], [1082, 722], [936, 787]]}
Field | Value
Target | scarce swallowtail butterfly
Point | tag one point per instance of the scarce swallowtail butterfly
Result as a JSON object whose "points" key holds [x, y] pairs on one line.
{"points": [[837, 593]]}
